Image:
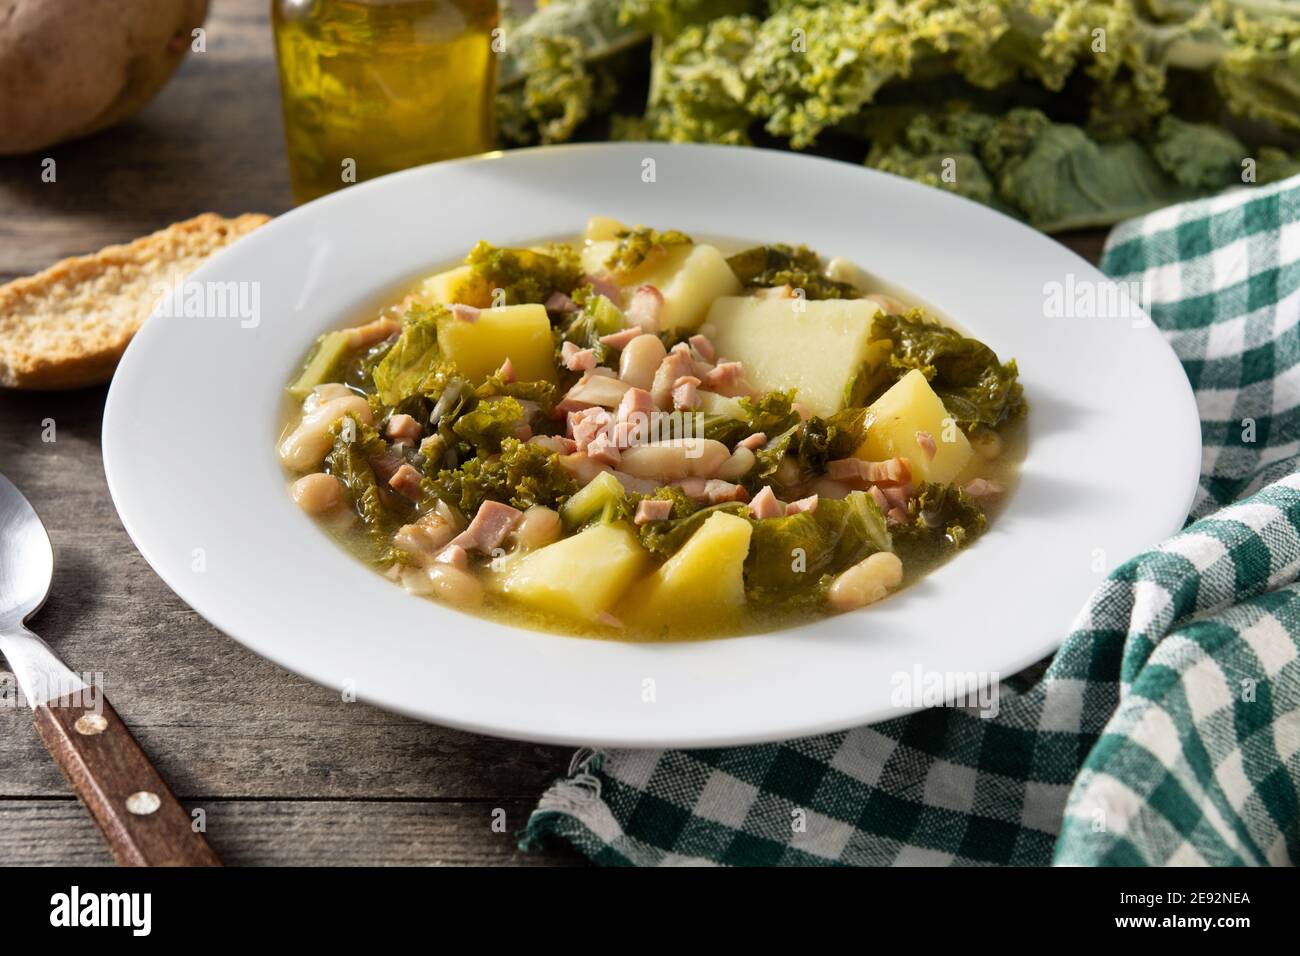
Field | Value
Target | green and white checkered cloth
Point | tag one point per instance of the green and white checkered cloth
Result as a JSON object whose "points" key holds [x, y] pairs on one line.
{"points": [[1167, 728]]}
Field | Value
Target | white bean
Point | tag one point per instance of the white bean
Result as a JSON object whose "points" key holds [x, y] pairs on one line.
{"points": [[321, 394], [454, 586], [306, 446], [444, 582], [738, 465], [676, 458], [539, 527], [867, 581], [317, 493], [640, 360]]}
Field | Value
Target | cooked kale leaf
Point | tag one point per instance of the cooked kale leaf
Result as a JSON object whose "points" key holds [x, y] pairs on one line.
{"points": [[525, 275], [635, 247], [941, 519], [791, 558], [764, 267], [975, 387], [349, 460], [523, 475]]}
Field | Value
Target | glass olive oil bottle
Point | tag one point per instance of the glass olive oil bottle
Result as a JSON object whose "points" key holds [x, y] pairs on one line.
{"points": [[373, 86]]}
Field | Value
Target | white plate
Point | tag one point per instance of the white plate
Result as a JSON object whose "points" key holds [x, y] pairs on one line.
{"points": [[192, 417]]}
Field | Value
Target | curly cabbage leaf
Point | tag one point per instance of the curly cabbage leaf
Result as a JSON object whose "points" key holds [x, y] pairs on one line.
{"points": [[348, 460], [665, 538], [523, 475], [526, 275], [976, 388], [764, 267], [598, 316], [941, 519], [635, 247], [792, 558], [490, 423], [405, 364]]}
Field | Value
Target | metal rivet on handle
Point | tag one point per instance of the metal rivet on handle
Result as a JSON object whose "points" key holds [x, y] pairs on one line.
{"points": [[142, 803], [91, 724]]}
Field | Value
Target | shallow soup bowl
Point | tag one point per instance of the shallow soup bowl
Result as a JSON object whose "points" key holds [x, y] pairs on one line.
{"points": [[197, 403]]}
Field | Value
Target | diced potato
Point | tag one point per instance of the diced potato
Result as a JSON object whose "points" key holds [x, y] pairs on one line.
{"points": [[579, 577], [703, 581], [690, 284], [595, 254], [457, 285], [521, 333], [911, 406], [815, 347], [688, 277], [602, 229]]}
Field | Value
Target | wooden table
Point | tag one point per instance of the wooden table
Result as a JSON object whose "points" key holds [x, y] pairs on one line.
{"points": [[286, 771]]}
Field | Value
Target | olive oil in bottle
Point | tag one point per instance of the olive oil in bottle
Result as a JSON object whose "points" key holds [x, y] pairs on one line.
{"points": [[373, 86]]}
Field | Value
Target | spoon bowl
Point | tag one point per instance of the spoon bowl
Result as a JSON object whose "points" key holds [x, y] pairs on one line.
{"points": [[26, 557]]}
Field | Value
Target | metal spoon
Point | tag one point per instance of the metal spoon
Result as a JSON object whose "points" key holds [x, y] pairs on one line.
{"points": [[138, 814]]}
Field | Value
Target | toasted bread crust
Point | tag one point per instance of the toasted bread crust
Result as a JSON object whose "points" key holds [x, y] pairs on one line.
{"points": [[66, 327]]}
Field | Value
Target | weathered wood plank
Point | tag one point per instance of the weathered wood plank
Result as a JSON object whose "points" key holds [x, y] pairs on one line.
{"points": [[295, 833], [216, 718]]}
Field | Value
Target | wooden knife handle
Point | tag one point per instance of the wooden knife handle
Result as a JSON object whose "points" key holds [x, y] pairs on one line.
{"points": [[139, 815]]}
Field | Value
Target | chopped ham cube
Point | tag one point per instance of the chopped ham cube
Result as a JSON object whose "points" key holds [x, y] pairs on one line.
{"points": [[603, 285], [808, 504], [406, 482], [602, 449], [454, 555], [725, 378], [555, 443], [385, 464], [560, 304], [490, 526], [643, 311], [507, 371], [926, 441], [895, 471], [620, 339], [703, 346], [609, 620], [636, 401], [587, 425], [686, 393], [896, 495], [372, 332], [982, 488], [633, 418], [717, 491], [756, 440], [674, 366], [652, 509], [403, 428], [466, 313], [766, 504], [896, 516], [576, 359], [694, 488], [879, 498]]}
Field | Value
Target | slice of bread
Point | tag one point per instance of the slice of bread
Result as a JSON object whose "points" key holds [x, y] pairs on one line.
{"points": [[67, 327]]}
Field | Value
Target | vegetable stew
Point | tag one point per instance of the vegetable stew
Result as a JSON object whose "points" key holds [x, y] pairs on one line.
{"points": [[636, 435]]}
